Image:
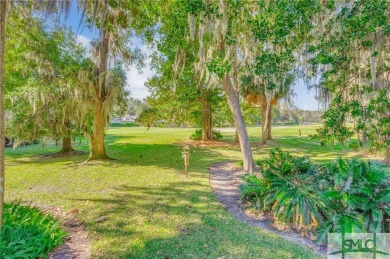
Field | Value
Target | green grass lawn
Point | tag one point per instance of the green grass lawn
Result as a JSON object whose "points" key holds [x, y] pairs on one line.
{"points": [[153, 210]]}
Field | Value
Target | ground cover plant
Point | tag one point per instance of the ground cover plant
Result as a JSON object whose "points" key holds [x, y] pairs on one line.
{"points": [[341, 196], [28, 233]]}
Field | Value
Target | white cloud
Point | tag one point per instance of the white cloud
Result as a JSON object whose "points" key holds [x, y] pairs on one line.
{"points": [[85, 41]]}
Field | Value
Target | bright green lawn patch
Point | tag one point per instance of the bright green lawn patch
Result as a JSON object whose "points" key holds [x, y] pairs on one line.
{"points": [[153, 210], [28, 233]]}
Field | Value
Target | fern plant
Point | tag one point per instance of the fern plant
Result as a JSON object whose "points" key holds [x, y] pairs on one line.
{"points": [[27, 233], [359, 196], [344, 196], [285, 190]]}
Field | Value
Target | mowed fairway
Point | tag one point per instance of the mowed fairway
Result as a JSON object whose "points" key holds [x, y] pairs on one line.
{"points": [[152, 209]]}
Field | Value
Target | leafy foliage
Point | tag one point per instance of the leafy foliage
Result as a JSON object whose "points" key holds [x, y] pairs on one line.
{"points": [[27, 233], [334, 120], [44, 97], [197, 135], [148, 117], [341, 196], [351, 52], [285, 190], [358, 194]]}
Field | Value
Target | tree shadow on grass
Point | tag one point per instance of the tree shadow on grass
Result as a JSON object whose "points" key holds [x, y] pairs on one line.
{"points": [[176, 217], [160, 155], [177, 220]]}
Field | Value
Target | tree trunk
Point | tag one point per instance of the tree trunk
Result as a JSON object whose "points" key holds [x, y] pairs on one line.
{"points": [[365, 139], [98, 150], [266, 133], [209, 118], [67, 145], [207, 122], [67, 137], [269, 124], [387, 156], [263, 116], [3, 12], [359, 139], [243, 137], [266, 127], [236, 137]]}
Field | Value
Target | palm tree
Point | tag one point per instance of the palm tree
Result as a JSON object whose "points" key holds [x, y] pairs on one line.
{"points": [[266, 99]]}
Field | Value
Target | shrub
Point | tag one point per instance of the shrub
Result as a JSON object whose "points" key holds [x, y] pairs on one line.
{"points": [[28, 233], [197, 135], [354, 144], [217, 135], [286, 190], [358, 197], [347, 196], [124, 124]]}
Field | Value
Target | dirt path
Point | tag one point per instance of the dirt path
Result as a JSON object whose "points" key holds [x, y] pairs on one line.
{"points": [[225, 181], [77, 244]]}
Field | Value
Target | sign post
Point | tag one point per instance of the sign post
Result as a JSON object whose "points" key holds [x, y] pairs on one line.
{"points": [[186, 156]]}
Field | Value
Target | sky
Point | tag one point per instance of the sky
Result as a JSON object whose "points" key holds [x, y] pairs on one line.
{"points": [[304, 99]]}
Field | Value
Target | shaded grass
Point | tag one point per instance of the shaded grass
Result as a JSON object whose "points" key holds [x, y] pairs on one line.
{"points": [[152, 209]]}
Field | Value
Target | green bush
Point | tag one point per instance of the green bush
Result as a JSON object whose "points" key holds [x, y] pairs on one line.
{"points": [[124, 124], [28, 233], [197, 135], [286, 190], [358, 197], [217, 135], [354, 144], [347, 196]]}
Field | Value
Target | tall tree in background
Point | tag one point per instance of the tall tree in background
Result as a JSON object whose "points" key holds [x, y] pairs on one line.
{"points": [[280, 31], [175, 62], [220, 28], [257, 95], [250, 38], [117, 21], [177, 105], [117, 24], [44, 97]]}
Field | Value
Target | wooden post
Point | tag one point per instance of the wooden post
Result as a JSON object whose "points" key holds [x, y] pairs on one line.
{"points": [[186, 156]]}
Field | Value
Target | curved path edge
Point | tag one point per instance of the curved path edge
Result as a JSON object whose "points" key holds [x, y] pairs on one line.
{"points": [[225, 180], [76, 244]]}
